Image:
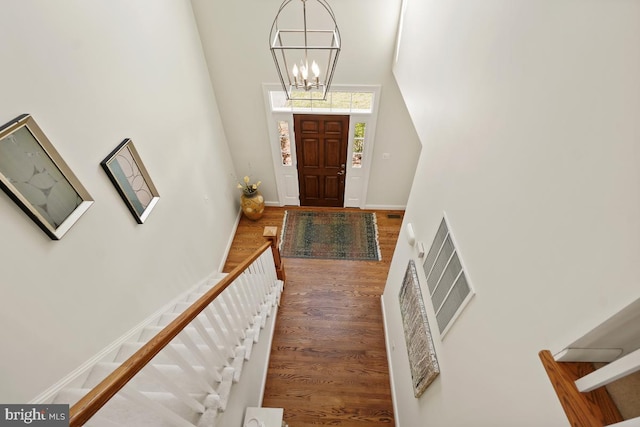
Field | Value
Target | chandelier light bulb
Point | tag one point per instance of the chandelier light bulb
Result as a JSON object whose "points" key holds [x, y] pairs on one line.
{"points": [[316, 72], [295, 70], [305, 72]]}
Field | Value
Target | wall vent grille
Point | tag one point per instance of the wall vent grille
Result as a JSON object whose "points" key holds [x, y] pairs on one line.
{"points": [[448, 285]]}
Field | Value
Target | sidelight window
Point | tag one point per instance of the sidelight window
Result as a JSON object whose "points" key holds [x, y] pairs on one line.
{"points": [[285, 142], [358, 145]]}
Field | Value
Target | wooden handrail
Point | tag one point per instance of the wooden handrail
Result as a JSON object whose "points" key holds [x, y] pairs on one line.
{"points": [[91, 403], [590, 409]]}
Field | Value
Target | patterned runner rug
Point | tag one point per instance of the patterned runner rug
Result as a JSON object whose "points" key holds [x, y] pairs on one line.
{"points": [[330, 235]]}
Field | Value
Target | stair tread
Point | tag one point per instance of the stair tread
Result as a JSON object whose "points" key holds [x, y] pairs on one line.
{"points": [[129, 348], [124, 412], [147, 382], [151, 331]]}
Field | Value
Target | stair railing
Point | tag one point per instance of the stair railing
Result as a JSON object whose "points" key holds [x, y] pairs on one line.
{"points": [[580, 388], [231, 309]]}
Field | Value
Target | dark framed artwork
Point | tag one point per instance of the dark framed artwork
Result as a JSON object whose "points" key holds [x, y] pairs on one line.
{"points": [[128, 174], [38, 180], [420, 349]]}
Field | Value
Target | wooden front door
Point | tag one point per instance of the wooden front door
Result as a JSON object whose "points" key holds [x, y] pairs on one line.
{"points": [[321, 149]]}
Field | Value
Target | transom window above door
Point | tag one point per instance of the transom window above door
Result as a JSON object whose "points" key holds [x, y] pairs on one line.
{"points": [[336, 102]]}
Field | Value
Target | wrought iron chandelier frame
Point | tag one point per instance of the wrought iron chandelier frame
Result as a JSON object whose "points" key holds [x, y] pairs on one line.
{"points": [[296, 81]]}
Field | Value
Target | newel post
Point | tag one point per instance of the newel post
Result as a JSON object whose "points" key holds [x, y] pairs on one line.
{"points": [[271, 234]]}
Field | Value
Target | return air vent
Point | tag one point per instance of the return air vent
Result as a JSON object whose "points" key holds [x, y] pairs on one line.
{"points": [[448, 285]]}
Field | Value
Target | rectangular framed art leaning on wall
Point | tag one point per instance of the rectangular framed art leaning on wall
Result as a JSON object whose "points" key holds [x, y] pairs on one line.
{"points": [[128, 174], [38, 180], [420, 349]]}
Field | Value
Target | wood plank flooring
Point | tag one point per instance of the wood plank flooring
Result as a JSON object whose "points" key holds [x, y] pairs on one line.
{"points": [[328, 361]]}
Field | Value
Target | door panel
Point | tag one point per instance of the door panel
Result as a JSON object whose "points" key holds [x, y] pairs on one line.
{"points": [[333, 127], [310, 153], [310, 126], [312, 186], [333, 155], [332, 188], [321, 150]]}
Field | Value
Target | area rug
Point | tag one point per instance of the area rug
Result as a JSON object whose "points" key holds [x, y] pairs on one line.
{"points": [[330, 235]]}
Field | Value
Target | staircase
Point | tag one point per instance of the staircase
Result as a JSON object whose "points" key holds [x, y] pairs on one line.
{"points": [[584, 388], [187, 382]]}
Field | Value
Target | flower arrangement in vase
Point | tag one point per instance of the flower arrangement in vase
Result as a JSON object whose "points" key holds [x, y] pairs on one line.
{"points": [[249, 189], [251, 200]]}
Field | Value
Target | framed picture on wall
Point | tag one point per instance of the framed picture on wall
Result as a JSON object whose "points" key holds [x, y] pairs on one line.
{"points": [[128, 174], [420, 349], [38, 180]]}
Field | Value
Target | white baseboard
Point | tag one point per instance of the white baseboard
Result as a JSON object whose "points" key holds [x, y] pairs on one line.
{"points": [[230, 240], [386, 207], [263, 383], [80, 373], [388, 346]]}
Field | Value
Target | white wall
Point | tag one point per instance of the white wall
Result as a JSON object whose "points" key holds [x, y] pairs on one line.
{"points": [[528, 112], [92, 74], [235, 38]]}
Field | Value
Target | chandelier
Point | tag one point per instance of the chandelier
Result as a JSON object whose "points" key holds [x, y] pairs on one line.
{"points": [[305, 58]]}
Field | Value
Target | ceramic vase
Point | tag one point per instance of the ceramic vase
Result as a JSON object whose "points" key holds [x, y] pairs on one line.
{"points": [[252, 205]]}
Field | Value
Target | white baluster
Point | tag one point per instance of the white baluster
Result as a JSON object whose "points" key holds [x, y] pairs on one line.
{"points": [[245, 292], [211, 326], [240, 303], [186, 366], [248, 299], [269, 265], [268, 276], [238, 362], [173, 388], [254, 268], [256, 297], [617, 369], [224, 389], [224, 334], [206, 361], [258, 286], [233, 313], [202, 331]]}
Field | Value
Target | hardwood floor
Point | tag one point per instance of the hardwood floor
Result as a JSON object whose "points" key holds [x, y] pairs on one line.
{"points": [[328, 362]]}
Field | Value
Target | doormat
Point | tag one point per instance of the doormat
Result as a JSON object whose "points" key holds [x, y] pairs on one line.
{"points": [[330, 235]]}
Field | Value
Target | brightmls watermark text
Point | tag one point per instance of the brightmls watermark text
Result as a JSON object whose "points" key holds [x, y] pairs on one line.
{"points": [[34, 415]]}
